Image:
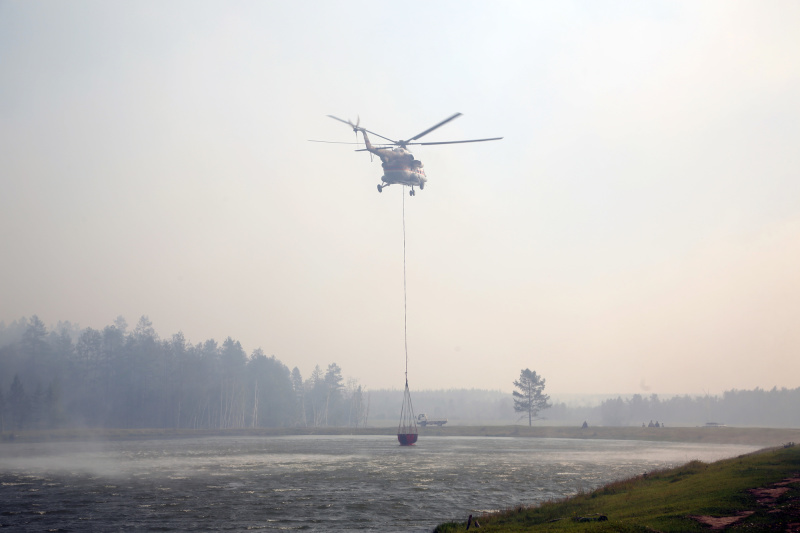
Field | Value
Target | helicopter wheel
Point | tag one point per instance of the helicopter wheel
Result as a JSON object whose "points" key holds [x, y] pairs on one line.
{"points": [[411, 192], [380, 189]]}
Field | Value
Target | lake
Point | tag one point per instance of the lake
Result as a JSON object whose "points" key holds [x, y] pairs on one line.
{"points": [[310, 483]]}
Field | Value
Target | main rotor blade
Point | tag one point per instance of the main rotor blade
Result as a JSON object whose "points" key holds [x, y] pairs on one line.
{"points": [[381, 147], [459, 142], [330, 142], [379, 135], [341, 120], [442, 123], [356, 127]]}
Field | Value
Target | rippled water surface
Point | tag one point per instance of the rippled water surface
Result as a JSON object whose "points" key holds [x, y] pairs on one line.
{"points": [[309, 483]]}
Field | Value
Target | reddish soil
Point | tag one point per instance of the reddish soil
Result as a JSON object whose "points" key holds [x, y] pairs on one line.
{"points": [[721, 522], [785, 516]]}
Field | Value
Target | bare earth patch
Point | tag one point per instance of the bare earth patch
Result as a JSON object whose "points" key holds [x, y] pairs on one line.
{"points": [[721, 522], [767, 497]]}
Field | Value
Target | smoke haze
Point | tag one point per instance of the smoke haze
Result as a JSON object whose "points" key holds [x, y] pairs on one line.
{"points": [[638, 228]]}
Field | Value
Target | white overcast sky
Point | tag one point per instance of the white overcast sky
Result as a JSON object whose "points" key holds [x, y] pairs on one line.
{"points": [[637, 230]]}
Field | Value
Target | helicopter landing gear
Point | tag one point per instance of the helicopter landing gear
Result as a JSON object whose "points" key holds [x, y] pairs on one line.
{"points": [[422, 185], [380, 189], [412, 193]]}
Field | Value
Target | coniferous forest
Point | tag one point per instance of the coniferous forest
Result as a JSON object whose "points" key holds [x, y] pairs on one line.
{"points": [[116, 378], [65, 376]]}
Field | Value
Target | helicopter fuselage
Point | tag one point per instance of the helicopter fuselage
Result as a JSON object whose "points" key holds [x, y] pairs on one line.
{"points": [[406, 176], [399, 166]]}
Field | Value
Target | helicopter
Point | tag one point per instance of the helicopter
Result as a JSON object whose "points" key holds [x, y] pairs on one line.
{"points": [[399, 165]]}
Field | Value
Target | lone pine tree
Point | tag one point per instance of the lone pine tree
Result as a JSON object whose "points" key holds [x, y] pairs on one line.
{"points": [[529, 396]]}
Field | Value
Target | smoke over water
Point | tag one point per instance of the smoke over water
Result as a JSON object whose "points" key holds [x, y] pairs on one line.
{"points": [[312, 483]]}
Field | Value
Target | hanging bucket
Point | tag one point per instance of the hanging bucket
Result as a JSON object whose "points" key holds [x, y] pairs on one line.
{"points": [[407, 439], [407, 429]]}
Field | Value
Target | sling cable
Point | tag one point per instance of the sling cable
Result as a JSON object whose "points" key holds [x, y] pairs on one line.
{"points": [[407, 429]]}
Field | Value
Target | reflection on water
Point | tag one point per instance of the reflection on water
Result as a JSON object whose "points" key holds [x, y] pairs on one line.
{"points": [[309, 483]]}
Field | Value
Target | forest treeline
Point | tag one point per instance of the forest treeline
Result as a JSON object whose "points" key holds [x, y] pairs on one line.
{"points": [[113, 378], [116, 378], [755, 408]]}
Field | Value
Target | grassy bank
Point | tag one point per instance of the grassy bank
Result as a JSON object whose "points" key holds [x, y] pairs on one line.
{"points": [[759, 491], [721, 435]]}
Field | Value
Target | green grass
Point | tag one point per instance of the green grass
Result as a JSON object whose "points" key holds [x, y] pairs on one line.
{"points": [[665, 500]]}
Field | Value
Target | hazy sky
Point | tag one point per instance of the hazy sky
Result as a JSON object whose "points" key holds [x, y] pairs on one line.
{"points": [[637, 230]]}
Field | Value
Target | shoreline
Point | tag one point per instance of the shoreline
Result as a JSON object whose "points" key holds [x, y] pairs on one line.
{"points": [[719, 435], [759, 490]]}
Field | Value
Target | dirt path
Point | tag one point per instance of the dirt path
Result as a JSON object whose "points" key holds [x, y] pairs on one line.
{"points": [[784, 515]]}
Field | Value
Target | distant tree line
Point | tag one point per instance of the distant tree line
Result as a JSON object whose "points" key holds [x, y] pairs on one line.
{"points": [[757, 407], [458, 406], [113, 378]]}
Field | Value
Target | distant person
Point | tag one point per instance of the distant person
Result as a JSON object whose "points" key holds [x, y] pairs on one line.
{"points": [[643, 425], [585, 425], [657, 424], [651, 425]]}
